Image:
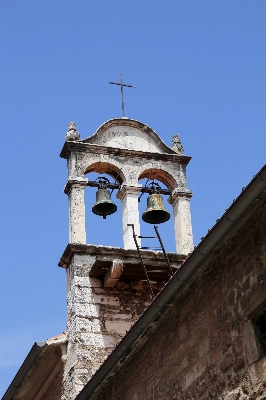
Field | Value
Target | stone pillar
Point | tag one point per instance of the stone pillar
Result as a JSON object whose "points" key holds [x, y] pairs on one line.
{"points": [[182, 222], [97, 319], [130, 209], [75, 191]]}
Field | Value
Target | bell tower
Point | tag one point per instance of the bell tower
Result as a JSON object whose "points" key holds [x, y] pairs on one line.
{"points": [[129, 151], [106, 287]]}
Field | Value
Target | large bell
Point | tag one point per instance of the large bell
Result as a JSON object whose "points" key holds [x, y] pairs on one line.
{"points": [[104, 205], [155, 212]]}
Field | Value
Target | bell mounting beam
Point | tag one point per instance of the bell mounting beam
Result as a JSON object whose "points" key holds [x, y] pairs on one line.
{"points": [[108, 185], [117, 186], [162, 191]]}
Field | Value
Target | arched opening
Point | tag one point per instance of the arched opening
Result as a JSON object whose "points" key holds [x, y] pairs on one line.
{"points": [[159, 175], [106, 168], [109, 231], [166, 229]]}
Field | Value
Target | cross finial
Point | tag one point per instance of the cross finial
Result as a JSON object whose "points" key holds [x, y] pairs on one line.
{"points": [[122, 91]]}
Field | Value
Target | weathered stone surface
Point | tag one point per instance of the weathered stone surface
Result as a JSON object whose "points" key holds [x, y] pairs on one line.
{"points": [[85, 310], [227, 362], [85, 325], [98, 317], [72, 133], [182, 224], [97, 340], [77, 231], [126, 137], [195, 372], [221, 362], [120, 327], [177, 145]]}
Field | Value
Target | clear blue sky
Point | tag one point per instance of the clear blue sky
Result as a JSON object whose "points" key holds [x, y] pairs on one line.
{"points": [[199, 68]]}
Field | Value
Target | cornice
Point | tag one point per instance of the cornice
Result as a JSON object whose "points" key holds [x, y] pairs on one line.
{"points": [[81, 147], [176, 195], [114, 252], [126, 189], [77, 182]]}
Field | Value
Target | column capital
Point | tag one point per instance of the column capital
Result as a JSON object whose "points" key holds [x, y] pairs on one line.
{"points": [[127, 189], [75, 182], [177, 195]]}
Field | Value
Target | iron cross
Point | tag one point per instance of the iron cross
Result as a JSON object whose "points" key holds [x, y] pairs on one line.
{"points": [[122, 91]]}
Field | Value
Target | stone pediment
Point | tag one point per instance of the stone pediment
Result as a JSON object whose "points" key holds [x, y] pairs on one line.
{"points": [[128, 134]]}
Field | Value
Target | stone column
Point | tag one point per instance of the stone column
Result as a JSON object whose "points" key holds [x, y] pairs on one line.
{"points": [[182, 221], [130, 209], [75, 191], [97, 319]]}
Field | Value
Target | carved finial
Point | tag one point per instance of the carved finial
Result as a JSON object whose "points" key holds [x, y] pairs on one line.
{"points": [[177, 145], [72, 133]]}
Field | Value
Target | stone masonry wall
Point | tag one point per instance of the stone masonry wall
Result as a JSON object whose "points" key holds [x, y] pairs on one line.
{"points": [[98, 317], [204, 345]]}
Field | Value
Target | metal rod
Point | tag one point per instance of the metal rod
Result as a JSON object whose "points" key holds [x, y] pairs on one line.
{"points": [[147, 237], [122, 93], [142, 262], [143, 191], [121, 84], [117, 186], [146, 189], [162, 191], [150, 248], [108, 185], [162, 246], [116, 183]]}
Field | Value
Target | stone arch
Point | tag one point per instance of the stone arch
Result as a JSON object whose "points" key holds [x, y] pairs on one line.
{"points": [[160, 175], [106, 168]]}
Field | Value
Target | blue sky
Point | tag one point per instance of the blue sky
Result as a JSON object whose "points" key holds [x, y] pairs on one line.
{"points": [[199, 68]]}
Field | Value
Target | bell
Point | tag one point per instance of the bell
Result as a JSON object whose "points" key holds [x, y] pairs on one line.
{"points": [[155, 212], [104, 205]]}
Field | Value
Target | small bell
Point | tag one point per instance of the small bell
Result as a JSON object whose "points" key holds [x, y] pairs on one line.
{"points": [[155, 212], [104, 205]]}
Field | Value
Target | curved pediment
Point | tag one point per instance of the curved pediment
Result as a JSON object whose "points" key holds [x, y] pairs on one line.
{"points": [[128, 134]]}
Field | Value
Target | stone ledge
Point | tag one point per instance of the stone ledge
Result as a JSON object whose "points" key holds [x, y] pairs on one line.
{"points": [[98, 149], [108, 253]]}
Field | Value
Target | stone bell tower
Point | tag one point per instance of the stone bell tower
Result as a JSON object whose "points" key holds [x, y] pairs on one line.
{"points": [[106, 287]]}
